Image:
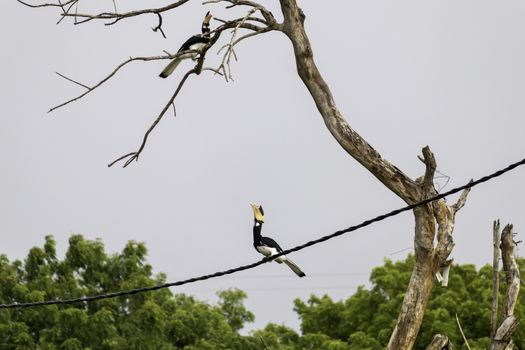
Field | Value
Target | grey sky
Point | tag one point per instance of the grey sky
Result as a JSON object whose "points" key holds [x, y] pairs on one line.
{"points": [[405, 74]]}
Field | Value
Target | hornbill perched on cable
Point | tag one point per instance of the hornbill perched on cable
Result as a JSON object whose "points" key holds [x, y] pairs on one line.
{"points": [[195, 42], [267, 246]]}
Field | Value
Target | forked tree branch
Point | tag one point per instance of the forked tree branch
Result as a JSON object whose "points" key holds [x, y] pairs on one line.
{"points": [[230, 47], [224, 69], [116, 17], [109, 76], [236, 24], [59, 4], [134, 156]]}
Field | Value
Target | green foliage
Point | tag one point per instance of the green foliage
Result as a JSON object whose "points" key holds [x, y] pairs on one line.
{"points": [[369, 316], [233, 308], [160, 320], [154, 320]]}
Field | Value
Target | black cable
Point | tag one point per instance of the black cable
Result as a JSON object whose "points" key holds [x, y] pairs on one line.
{"points": [[265, 260]]}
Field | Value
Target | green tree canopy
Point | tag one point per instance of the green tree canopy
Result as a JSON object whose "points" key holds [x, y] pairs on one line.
{"points": [[369, 316], [161, 320], [153, 320]]}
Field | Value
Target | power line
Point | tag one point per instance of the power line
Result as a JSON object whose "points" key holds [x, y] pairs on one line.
{"points": [[290, 276], [265, 260], [275, 289]]}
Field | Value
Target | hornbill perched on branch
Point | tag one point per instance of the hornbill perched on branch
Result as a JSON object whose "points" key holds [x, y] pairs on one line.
{"points": [[267, 246], [195, 42]]}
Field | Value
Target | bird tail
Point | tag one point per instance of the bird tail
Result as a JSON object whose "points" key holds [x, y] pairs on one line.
{"points": [[294, 268], [170, 68]]}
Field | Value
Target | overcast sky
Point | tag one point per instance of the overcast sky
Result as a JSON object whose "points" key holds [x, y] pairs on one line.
{"points": [[405, 74]]}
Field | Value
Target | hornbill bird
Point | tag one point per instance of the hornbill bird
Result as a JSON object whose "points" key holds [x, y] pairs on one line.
{"points": [[195, 42], [267, 246]]}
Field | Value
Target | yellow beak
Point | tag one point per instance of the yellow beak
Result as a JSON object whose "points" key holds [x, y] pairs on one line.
{"points": [[257, 212], [208, 18]]}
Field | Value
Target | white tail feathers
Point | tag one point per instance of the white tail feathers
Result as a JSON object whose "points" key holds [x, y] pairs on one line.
{"points": [[170, 68], [294, 268]]}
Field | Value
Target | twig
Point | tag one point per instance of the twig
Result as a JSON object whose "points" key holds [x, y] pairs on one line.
{"points": [[159, 26], [253, 19], [47, 4], [120, 158], [134, 156], [268, 16], [73, 3], [230, 51], [462, 334], [120, 16], [264, 343], [214, 70], [73, 81], [461, 200], [110, 75], [235, 24]]}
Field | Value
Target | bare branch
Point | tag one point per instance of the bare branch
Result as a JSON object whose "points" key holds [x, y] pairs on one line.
{"points": [[73, 3], [73, 81], [502, 339], [120, 158], [234, 24], [230, 47], [110, 75], [430, 164], [268, 16], [495, 278], [61, 5], [462, 334], [512, 273], [355, 145], [159, 26], [461, 201], [264, 343], [214, 70], [120, 16], [134, 156]]}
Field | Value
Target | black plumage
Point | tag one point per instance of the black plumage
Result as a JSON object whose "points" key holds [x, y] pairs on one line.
{"points": [[196, 39], [195, 42], [268, 246]]}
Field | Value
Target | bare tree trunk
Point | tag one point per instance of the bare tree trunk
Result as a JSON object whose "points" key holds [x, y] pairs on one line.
{"points": [[495, 279], [429, 256], [502, 339]]}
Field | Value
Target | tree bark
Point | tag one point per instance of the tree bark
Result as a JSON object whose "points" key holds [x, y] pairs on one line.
{"points": [[495, 279], [351, 141], [429, 257], [502, 339], [440, 342]]}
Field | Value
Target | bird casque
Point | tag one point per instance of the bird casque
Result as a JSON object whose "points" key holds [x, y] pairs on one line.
{"points": [[196, 42], [267, 246]]}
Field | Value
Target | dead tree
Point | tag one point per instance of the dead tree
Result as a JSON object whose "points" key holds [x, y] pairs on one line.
{"points": [[434, 223], [501, 335]]}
